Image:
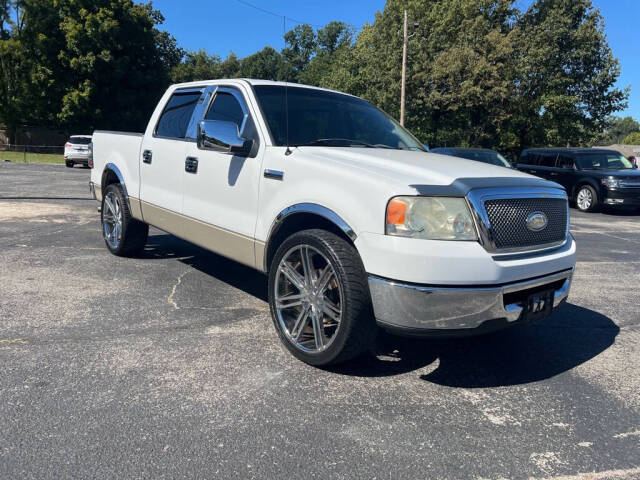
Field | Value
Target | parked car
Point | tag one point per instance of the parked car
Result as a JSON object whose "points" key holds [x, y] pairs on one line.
{"points": [[483, 155], [592, 177], [355, 224], [77, 150]]}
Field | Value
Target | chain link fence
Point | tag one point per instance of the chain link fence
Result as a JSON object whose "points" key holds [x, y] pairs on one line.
{"points": [[32, 153]]}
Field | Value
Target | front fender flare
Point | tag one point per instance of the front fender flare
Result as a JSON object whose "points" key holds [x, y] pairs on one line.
{"points": [[312, 208]]}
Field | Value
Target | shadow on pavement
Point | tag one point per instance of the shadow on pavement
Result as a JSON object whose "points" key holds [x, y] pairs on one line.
{"points": [[517, 355], [235, 274], [521, 354]]}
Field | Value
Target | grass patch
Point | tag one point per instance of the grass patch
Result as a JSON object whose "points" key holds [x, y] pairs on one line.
{"points": [[19, 157]]}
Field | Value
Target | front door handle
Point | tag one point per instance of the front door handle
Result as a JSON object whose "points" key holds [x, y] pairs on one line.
{"points": [[191, 165], [554, 174], [146, 156], [274, 174]]}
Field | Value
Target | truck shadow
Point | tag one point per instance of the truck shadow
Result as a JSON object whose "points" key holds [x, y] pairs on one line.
{"points": [[518, 355], [243, 278], [521, 354]]}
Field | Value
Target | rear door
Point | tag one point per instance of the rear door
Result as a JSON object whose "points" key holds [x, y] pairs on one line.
{"points": [[163, 154], [546, 167], [567, 173]]}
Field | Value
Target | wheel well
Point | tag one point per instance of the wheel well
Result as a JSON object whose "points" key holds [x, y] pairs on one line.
{"points": [[109, 177], [297, 222]]}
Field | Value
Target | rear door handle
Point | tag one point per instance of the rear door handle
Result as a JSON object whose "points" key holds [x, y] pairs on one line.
{"points": [[191, 165], [146, 156], [554, 174]]}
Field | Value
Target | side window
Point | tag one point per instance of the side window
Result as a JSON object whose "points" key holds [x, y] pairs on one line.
{"points": [[177, 113], [565, 161], [527, 159], [548, 160], [225, 107]]}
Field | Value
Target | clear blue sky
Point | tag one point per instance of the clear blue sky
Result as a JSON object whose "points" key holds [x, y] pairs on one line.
{"points": [[225, 26]]}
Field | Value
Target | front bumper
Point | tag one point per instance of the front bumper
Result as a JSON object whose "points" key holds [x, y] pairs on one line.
{"points": [[623, 196], [436, 310]]}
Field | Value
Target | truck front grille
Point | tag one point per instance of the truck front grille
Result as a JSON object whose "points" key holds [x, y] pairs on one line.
{"points": [[508, 222]]}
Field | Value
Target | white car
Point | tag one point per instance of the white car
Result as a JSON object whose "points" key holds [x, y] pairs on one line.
{"points": [[78, 150], [356, 225]]}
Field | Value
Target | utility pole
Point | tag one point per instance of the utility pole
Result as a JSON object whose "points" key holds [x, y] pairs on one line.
{"points": [[405, 39]]}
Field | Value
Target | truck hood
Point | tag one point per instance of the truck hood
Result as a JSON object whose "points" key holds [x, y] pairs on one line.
{"points": [[409, 167]]}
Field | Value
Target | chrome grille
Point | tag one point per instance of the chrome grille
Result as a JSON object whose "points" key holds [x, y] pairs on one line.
{"points": [[629, 184], [508, 222]]}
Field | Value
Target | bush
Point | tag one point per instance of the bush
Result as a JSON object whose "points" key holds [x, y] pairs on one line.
{"points": [[632, 139]]}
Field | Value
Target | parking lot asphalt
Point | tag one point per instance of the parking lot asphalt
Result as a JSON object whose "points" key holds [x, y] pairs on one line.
{"points": [[168, 366]]}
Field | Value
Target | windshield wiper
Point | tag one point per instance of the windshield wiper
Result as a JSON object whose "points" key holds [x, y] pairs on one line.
{"points": [[341, 142]]}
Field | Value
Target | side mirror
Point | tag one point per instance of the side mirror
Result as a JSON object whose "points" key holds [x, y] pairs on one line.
{"points": [[223, 137]]}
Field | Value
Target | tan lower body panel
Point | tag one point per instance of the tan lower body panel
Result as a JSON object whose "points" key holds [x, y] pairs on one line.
{"points": [[136, 208], [98, 191], [232, 245]]}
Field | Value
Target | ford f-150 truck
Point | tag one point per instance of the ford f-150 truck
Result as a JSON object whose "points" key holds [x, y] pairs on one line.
{"points": [[356, 225]]}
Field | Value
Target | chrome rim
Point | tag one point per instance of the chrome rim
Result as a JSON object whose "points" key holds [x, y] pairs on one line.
{"points": [[585, 198], [112, 220], [308, 299]]}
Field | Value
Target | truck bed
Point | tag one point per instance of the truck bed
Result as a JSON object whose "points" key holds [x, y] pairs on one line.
{"points": [[119, 148]]}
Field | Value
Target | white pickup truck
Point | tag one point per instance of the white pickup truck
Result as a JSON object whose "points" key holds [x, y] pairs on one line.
{"points": [[356, 225]]}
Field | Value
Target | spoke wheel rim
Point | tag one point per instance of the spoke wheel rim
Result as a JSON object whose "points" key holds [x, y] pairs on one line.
{"points": [[308, 299], [585, 198], [112, 220]]}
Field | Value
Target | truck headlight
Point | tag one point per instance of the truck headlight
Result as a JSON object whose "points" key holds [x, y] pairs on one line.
{"points": [[611, 182], [433, 218]]}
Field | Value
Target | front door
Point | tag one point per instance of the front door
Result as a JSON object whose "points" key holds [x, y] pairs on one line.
{"points": [[220, 189]]}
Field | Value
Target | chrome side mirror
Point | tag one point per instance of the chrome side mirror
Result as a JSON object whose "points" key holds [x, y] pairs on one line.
{"points": [[222, 137]]}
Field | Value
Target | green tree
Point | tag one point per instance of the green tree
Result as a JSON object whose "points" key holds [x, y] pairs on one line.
{"points": [[565, 74], [617, 128], [632, 139], [91, 59], [333, 41], [300, 46], [266, 64]]}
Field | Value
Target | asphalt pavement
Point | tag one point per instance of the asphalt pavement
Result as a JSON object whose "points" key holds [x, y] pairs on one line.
{"points": [[168, 366]]}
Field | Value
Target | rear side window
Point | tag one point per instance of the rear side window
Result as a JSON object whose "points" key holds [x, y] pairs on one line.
{"points": [[176, 115], [547, 159], [527, 159], [80, 140], [226, 108], [565, 161]]}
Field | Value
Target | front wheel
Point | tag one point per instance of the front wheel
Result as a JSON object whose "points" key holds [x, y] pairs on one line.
{"points": [[319, 298], [69, 164], [124, 235], [586, 198]]}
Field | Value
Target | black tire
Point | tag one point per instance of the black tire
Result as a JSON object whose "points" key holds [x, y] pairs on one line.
{"points": [[134, 233], [69, 164], [357, 328], [589, 192]]}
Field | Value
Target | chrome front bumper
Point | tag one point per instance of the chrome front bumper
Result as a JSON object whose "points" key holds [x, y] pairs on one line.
{"points": [[422, 309]]}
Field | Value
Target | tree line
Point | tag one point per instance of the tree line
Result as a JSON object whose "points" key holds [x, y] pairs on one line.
{"points": [[480, 72]]}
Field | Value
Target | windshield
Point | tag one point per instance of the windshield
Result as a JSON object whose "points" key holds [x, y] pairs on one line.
{"points": [[604, 161], [80, 140], [492, 158], [323, 118]]}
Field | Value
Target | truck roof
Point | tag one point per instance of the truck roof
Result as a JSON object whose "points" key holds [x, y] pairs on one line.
{"points": [[253, 82]]}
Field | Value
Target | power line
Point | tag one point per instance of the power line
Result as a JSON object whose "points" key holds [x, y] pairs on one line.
{"points": [[274, 14]]}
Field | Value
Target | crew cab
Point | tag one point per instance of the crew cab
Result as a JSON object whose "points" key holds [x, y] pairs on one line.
{"points": [[591, 176], [356, 225]]}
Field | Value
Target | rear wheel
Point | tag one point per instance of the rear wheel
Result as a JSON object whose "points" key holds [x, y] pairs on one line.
{"points": [[586, 198], [319, 298], [124, 235]]}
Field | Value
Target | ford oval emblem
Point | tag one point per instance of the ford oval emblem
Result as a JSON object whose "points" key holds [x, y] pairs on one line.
{"points": [[537, 221]]}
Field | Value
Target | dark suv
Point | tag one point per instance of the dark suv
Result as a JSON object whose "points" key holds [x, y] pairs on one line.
{"points": [[591, 176]]}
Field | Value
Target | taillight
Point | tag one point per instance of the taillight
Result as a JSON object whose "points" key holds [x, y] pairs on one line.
{"points": [[67, 144]]}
